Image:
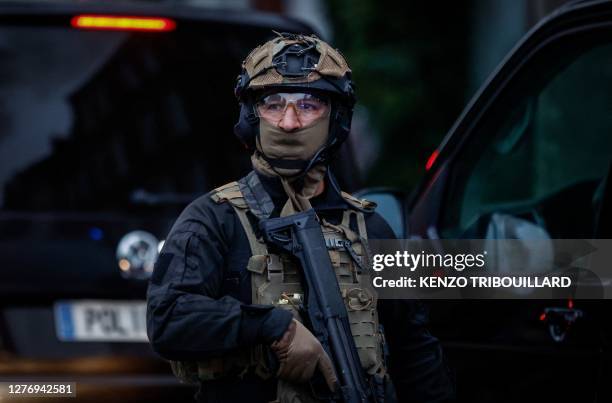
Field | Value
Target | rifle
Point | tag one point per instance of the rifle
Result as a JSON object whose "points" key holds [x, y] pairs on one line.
{"points": [[300, 234]]}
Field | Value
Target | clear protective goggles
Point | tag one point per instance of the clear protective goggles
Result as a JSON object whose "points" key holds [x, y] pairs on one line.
{"points": [[308, 107]]}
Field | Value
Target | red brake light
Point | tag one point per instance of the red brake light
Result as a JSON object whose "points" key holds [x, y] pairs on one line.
{"points": [[431, 160], [122, 23]]}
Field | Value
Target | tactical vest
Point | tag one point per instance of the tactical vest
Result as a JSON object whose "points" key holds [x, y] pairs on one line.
{"points": [[275, 280]]}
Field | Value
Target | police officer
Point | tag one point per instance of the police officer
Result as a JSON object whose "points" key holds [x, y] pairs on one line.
{"points": [[223, 307]]}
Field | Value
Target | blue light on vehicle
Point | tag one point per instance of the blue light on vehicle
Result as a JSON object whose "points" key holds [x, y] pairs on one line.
{"points": [[96, 234]]}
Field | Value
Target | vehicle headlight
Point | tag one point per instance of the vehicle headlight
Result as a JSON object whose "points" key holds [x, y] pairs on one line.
{"points": [[136, 254]]}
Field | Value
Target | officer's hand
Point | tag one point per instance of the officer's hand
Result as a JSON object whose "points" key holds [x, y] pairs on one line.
{"points": [[300, 354]]}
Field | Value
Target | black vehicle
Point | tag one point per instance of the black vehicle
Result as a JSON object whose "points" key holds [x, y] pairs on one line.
{"points": [[113, 117], [529, 157]]}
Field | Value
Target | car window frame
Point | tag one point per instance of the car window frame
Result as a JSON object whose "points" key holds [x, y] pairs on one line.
{"points": [[568, 22]]}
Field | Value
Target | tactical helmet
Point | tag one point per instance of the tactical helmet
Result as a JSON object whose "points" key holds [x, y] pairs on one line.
{"points": [[299, 63]]}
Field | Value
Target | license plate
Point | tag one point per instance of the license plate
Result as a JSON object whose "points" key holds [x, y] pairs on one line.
{"points": [[85, 320]]}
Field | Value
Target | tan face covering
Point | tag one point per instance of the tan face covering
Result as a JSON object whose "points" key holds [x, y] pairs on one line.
{"points": [[298, 145], [302, 144]]}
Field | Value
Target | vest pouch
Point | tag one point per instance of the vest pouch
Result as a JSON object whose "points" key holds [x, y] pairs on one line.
{"points": [[287, 296], [361, 308], [231, 365]]}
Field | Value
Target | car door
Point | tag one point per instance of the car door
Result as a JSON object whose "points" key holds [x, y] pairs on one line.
{"points": [[530, 156]]}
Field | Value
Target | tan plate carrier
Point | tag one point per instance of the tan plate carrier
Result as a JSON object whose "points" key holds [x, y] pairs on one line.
{"points": [[275, 280]]}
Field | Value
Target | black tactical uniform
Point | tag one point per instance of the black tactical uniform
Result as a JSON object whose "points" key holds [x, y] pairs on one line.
{"points": [[199, 303]]}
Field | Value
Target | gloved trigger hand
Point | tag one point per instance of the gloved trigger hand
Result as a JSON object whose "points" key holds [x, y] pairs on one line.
{"points": [[300, 354]]}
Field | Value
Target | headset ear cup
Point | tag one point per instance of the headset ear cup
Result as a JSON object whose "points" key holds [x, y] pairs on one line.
{"points": [[345, 117], [340, 127], [247, 127]]}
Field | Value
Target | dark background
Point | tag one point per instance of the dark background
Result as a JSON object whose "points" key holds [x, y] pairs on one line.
{"points": [[417, 64]]}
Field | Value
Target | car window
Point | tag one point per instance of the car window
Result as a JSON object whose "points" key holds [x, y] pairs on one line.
{"points": [[543, 156], [103, 120]]}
